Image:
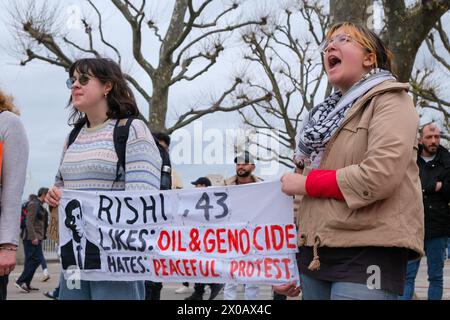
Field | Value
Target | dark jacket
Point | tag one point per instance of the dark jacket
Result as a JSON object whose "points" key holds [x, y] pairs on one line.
{"points": [[91, 256], [436, 204], [36, 221]]}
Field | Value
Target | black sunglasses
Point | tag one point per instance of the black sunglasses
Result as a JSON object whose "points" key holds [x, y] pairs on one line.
{"points": [[83, 79]]}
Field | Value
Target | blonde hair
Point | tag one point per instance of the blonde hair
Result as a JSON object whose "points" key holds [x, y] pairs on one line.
{"points": [[6, 103], [369, 40]]}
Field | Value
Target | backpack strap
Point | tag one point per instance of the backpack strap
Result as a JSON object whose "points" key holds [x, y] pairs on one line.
{"points": [[120, 137], [166, 167], [74, 133]]}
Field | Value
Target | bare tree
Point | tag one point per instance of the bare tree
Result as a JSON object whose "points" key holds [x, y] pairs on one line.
{"points": [[354, 11], [291, 68], [408, 27], [287, 66], [430, 84], [193, 36]]}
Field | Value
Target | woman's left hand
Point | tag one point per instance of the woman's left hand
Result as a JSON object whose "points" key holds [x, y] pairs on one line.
{"points": [[7, 262], [288, 289], [293, 184]]}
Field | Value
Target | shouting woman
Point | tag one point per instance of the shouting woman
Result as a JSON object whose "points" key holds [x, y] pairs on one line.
{"points": [[361, 217]]}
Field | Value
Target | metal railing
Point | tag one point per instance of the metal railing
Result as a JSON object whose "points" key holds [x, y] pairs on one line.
{"points": [[50, 249]]}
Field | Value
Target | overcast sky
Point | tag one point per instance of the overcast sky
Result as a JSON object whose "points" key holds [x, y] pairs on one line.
{"points": [[40, 92]]}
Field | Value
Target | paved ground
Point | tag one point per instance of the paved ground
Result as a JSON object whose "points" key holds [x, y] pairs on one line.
{"points": [[168, 292]]}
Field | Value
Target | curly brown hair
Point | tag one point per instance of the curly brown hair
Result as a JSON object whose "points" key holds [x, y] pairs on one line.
{"points": [[6, 103]]}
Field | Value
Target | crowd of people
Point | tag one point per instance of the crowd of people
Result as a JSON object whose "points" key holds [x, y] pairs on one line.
{"points": [[374, 190]]}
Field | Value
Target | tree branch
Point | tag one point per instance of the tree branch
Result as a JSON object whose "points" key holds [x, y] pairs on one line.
{"points": [[193, 115], [135, 23], [102, 38]]}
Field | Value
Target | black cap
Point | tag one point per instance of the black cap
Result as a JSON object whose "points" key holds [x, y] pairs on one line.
{"points": [[244, 157], [202, 180]]}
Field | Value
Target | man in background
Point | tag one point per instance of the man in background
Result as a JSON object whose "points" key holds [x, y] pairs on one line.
{"points": [[32, 236]]}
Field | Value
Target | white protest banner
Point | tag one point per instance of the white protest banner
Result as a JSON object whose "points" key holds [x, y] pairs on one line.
{"points": [[242, 234]]}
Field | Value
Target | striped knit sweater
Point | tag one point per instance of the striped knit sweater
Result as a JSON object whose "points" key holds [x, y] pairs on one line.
{"points": [[90, 162]]}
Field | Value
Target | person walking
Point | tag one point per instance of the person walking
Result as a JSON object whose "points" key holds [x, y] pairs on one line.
{"points": [[32, 236]]}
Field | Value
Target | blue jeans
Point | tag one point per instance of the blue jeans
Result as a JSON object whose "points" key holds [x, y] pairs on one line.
{"points": [[3, 287], [43, 261], [435, 252], [102, 290], [32, 261], [313, 289]]}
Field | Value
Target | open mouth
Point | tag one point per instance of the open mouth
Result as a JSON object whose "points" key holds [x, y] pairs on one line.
{"points": [[333, 62]]}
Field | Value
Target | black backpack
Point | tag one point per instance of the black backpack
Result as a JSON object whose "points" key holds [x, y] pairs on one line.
{"points": [[120, 137], [23, 216]]}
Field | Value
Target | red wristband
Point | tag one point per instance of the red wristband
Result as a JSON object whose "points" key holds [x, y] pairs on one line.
{"points": [[323, 184]]}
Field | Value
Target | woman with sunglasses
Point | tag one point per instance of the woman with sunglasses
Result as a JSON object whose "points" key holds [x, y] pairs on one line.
{"points": [[361, 216], [100, 97], [13, 166]]}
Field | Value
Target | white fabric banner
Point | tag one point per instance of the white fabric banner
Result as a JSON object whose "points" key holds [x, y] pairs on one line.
{"points": [[242, 234]]}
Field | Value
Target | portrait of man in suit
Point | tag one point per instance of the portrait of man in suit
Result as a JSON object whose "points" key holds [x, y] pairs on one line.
{"points": [[79, 251]]}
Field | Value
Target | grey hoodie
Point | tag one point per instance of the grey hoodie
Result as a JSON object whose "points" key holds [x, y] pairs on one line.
{"points": [[15, 159]]}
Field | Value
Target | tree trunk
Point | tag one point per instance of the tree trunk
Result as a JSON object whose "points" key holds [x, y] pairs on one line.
{"points": [[160, 95], [407, 28], [352, 11], [158, 107], [404, 46]]}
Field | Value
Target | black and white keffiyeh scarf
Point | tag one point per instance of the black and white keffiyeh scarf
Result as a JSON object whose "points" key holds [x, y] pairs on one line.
{"points": [[323, 120]]}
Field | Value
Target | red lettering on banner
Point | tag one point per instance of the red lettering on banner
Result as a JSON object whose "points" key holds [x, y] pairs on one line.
{"points": [[255, 243], [186, 268], [267, 267], [233, 240], [164, 267], [267, 238], [160, 240], [207, 241], [277, 245], [241, 268], [156, 266], [193, 266], [220, 240], [177, 263], [213, 271], [258, 264], [289, 236], [180, 243], [250, 269], [241, 241], [224, 240], [205, 272], [286, 262], [277, 267], [173, 240], [172, 268], [233, 268]]}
